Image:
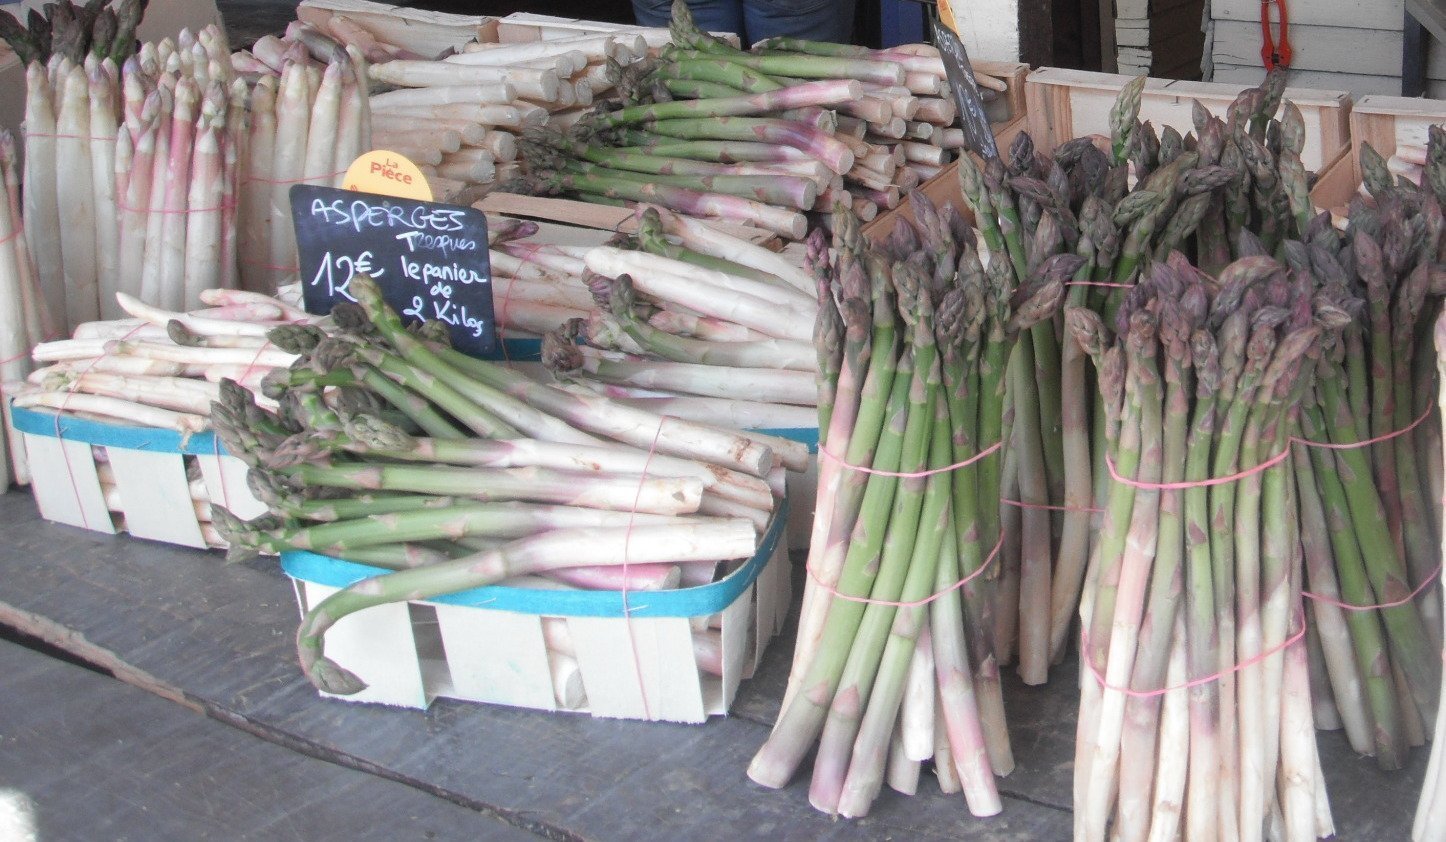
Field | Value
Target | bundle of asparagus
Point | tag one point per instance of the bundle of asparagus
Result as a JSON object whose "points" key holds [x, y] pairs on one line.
{"points": [[309, 119], [910, 397], [466, 473], [100, 28], [728, 335], [471, 104], [24, 318], [131, 174], [1430, 824], [1378, 387], [1195, 700], [160, 368], [757, 137]]}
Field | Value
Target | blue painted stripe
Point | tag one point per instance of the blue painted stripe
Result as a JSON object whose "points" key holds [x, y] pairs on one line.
{"points": [[71, 428], [701, 601]]}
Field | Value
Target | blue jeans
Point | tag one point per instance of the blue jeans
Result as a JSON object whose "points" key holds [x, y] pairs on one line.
{"points": [[755, 20]]}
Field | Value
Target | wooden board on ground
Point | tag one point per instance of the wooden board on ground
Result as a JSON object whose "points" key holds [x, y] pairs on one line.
{"points": [[589, 215], [145, 768], [181, 624], [1065, 104], [1385, 122]]}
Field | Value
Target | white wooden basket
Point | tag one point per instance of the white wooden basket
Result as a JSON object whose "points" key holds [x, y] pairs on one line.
{"points": [[152, 483], [491, 644]]}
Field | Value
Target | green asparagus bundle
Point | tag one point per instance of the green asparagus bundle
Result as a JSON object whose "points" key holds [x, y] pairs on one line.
{"points": [[1149, 195], [1372, 574], [760, 138], [1195, 699], [1430, 824], [392, 449], [914, 338], [98, 28]]}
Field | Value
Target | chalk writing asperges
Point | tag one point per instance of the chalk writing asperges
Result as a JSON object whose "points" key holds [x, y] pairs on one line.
{"points": [[429, 259]]}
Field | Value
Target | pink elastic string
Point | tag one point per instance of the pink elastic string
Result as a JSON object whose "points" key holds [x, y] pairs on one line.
{"points": [[257, 180], [1269, 463], [1178, 486], [1023, 505], [261, 264], [1098, 284], [22, 355], [627, 542], [59, 435], [11, 236], [910, 474], [29, 134], [833, 590], [1425, 583], [224, 206], [1149, 694], [1368, 442]]}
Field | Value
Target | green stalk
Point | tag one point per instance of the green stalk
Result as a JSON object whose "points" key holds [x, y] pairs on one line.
{"points": [[696, 89], [801, 720], [784, 190], [1410, 642], [718, 71], [856, 681]]}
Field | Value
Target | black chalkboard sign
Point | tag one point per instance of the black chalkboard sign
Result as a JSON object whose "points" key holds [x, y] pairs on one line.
{"points": [[429, 259]]}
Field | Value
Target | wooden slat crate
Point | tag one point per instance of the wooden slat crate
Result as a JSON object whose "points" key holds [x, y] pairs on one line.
{"points": [[1065, 104], [488, 644], [114, 478], [1384, 122], [943, 187]]}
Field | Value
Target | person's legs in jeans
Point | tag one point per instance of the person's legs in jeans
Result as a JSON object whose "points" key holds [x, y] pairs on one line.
{"points": [[709, 15], [816, 20]]}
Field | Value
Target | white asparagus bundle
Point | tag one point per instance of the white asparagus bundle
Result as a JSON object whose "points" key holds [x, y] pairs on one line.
{"points": [[23, 316], [138, 360]]}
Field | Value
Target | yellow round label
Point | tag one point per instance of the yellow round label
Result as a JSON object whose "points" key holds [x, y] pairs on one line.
{"points": [[387, 174]]}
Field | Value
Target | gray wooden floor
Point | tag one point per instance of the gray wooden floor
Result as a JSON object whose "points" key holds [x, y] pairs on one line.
{"points": [[203, 635]]}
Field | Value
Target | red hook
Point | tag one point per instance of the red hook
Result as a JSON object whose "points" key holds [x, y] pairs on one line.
{"points": [[1271, 53]]}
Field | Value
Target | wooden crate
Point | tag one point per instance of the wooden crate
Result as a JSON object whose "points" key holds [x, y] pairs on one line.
{"points": [[1015, 75], [1384, 122], [115, 478], [1065, 104], [942, 188], [487, 645]]}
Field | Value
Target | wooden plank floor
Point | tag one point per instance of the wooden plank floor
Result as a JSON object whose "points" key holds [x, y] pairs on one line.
{"points": [[83, 756], [219, 638]]}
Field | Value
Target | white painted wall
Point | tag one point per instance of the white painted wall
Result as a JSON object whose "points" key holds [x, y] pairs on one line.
{"points": [[989, 28]]}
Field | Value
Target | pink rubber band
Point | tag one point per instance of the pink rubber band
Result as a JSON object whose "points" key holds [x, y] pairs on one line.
{"points": [[256, 180], [1179, 486], [627, 542], [1020, 504], [224, 206], [1098, 284], [1426, 583], [51, 338], [988, 560], [1149, 694], [1368, 442], [70, 136], [11, 236], [911, 474]]}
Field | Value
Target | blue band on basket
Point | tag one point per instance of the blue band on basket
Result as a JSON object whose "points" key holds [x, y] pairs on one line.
{"points": [[108, 434], [700, 601]]}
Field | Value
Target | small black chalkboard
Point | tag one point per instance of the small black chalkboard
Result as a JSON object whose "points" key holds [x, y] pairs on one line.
{"points": [[429, 259]]}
